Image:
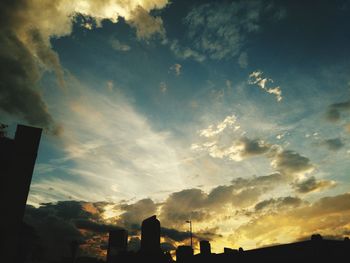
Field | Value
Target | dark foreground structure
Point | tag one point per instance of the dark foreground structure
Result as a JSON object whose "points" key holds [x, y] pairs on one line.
{"points": [[314, 250], [17, 159]]}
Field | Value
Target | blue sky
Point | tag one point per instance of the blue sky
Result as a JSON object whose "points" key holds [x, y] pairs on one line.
{"points": [[161, 99]]}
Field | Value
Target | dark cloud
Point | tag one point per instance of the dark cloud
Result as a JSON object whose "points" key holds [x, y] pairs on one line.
{"points": [[136, 212], [312, 185], [19, 70], [165, 246], [290, 163], [334, 144], [254, 147], [94, 226], [200, 206], [174, 234], [279, 203], [334, 110]]}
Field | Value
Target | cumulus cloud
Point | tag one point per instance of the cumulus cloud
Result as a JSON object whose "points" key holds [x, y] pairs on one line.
{"points": [[311, 184], [334, 144], [334, 110], [292, 164], [134, 213], [26, 52], [224, 140], [256, 78], [200, 206], [145, 24]]}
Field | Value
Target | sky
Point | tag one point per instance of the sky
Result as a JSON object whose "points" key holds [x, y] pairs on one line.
{"points": [[232, 114]]}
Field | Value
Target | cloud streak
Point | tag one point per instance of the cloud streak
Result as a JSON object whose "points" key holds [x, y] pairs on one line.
{"points": [[256, 78]]}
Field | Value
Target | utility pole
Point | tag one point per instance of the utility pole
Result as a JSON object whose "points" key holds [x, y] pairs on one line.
{"points": [[190, 222]]}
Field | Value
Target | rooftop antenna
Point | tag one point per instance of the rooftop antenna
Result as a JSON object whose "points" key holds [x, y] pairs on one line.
{"points": [[190, 222]]}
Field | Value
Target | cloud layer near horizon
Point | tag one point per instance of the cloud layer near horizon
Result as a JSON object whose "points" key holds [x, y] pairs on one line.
{"points": [[89, 224]]}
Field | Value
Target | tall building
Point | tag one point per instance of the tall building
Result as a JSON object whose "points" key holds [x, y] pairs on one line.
{"points": [[17, 159], [117, 244], [205, 248], [150, 235]]}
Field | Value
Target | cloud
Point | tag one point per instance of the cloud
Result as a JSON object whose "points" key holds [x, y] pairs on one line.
{"points": [[135, 213], [290, 163], [219, 30], [26, 49], [312, 185], [223, 141], [327, 216], [279, 203], [212, 131], [176, 68], [203, 207], [145, 24], [334, 144], [256, 77], [107, 147], [118, 46], [334, 110], [243, 60], [185, 52], [94, 226], [163, 87]]}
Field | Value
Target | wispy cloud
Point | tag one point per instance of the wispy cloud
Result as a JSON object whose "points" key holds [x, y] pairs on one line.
{"points": [[256, 78], [118, 46]]}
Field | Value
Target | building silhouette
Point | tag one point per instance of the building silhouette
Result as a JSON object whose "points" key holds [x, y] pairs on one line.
{"points": [[117, 244], [204, 246], [184, 254], [17, 159], [150, 235]]}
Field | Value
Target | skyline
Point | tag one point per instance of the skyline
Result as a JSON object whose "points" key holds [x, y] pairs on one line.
{"points": [[231, 114]]}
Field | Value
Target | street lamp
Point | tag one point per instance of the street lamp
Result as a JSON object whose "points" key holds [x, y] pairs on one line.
{"points": [[190, 222]]}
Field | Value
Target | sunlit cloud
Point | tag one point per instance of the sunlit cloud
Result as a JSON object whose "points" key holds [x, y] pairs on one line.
{"points": [[257, 78]]}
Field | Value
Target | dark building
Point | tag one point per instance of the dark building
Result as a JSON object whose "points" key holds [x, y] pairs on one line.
{"points": [[17, 159], [228, 250], [184, 253], [205, 248], [117, 244], [150, 235]]}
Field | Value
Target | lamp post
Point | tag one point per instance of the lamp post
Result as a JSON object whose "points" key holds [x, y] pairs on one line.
{"points": [[190, 222]]}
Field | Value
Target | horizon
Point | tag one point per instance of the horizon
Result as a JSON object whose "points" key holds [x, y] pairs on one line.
{"points": [[232, 114]]}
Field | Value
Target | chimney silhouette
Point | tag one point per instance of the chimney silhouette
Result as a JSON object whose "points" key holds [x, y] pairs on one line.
{"points": [[205, 248], [150, 235]]}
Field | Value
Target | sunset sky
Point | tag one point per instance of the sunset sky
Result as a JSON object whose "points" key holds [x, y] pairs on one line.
{"points": [[234, 114]]}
